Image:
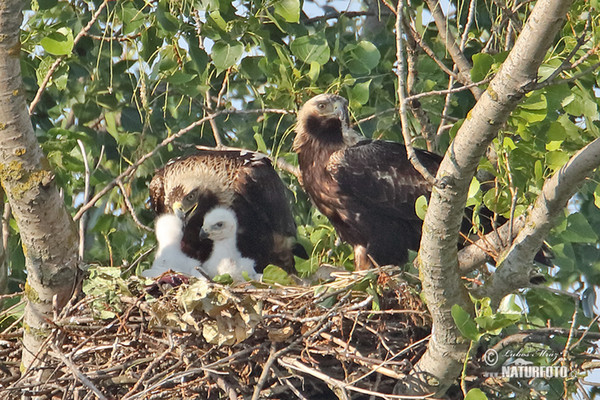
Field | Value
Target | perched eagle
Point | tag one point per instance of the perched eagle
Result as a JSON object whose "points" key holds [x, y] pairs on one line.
{"points": [[220, 226], [367, 188], [169, 256], [240, 180]]}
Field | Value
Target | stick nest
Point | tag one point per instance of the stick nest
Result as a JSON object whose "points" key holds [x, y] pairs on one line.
{"points": [[353, 337]]}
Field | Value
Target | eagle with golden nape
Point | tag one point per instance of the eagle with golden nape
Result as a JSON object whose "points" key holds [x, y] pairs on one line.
{"points": [[367, 188], [241, 181]]}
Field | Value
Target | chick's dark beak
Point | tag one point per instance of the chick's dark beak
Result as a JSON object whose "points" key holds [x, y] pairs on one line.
{"points": [[203, 234]]}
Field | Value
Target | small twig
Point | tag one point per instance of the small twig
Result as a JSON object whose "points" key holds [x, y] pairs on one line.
{"points": [[288, 383], [78, 374], [130, 208], [86, 198], [287, 167], [115, 39], [265, 372], [571, 79], [328, 16], [132, 168], [587, 54], [223, 384], [213, 123], [449, 91], [147, 372], [566, 63], [585, 332], [59, 60], [293, 363], [419, 40], [6, 229], [458, 56], [400, 72]]}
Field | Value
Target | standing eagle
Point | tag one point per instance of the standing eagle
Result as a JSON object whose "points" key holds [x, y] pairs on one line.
{"points": [[367, 188], [239, 180]]}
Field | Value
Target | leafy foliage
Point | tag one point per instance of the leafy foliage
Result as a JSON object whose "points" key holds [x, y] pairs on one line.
{"points": [[144, 70]]}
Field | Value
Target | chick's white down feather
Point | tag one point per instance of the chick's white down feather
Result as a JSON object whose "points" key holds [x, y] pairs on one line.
{"points": [[169, 256], [220, 225]]}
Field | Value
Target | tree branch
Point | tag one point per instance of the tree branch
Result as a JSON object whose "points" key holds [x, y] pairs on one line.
{"points": [[400, 72], [513, 270], [437, 258]]}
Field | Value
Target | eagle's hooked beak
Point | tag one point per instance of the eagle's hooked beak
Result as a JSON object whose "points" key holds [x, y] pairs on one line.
{"points": [[181, 213], [340, 110]]}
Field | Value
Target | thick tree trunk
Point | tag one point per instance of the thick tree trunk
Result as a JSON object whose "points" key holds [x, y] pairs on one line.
{"points": [[47, 231], [438, 262]]}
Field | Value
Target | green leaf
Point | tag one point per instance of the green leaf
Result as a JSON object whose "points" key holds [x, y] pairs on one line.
{"points": [[315, 70], [274, 274], [474, 196], [167, 21], [556, 159], [362, 57], [311, 48], [579, 230], [360, 92], [260, 143], [289, 10], [476, 394], [464, 323], [224, 279], [131, 120], [47, 4], [58, 43], [198, 56], [226, 55], [556, 135], [482, 63], [421, 207], [218, 19], [496, 322], [597, 196]]}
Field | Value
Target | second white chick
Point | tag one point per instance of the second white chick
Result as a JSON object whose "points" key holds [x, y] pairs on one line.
{"points": [[169, 256], [220, 225]]}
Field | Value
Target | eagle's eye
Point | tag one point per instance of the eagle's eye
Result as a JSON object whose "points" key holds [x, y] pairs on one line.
{"points": [[219, 224], [190, 197], [321, 106]]}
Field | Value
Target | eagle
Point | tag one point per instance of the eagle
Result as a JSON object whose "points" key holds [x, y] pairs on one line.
{"points": [[239, 180], [366, 188], [220, 226]]}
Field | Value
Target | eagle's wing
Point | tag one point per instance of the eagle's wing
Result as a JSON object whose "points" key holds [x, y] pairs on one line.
{"points": [[157, 192], [261, 187], [378, 174]]}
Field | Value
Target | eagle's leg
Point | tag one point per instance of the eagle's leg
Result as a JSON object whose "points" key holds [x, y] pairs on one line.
{"points": [[362, 260]]}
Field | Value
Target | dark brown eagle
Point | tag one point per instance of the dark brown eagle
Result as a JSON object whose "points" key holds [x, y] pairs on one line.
{"points": [[240, 180], [367, 188]]}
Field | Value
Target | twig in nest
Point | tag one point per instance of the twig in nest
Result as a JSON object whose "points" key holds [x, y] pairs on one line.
{"points": [[293, 363], [77, 373]]}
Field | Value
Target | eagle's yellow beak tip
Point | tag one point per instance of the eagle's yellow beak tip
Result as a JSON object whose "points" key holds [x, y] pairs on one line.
{"points": [[178, 210]]}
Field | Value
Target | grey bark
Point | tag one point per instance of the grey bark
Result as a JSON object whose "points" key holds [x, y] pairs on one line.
{"points": [[48, 233]]}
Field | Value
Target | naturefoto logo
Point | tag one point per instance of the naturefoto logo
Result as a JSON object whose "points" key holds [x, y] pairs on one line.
{"points": [[516, 365]]}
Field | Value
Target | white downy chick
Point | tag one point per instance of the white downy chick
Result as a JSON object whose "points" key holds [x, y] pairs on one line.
{"points": [[169, 256], [220, 225]]}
